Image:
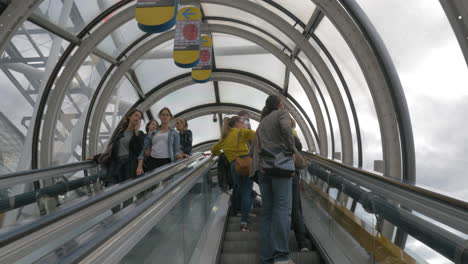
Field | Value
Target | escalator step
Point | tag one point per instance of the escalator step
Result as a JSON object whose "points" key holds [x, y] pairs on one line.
{"points": [[255, 211], [250, 246], [237, 219], [244, 236], [251, 258], [236, 227]]}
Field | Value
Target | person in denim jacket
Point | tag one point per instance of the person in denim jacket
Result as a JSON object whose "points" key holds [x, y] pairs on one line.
{"points": [[164, 144], [185, 136]]}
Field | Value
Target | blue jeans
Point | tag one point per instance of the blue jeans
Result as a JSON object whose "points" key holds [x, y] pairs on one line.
{"points": [[275, 217], [296, 213], [244, 185]]}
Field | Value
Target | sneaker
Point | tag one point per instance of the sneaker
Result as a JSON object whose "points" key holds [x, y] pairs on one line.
{"points": [[244, 228], [304, 249]]}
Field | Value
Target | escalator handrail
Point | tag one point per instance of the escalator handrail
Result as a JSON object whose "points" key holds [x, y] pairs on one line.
{"points": [[447, 210], [103, 201], [386, 180], [450, 245], [179, 183], [20, 177]]}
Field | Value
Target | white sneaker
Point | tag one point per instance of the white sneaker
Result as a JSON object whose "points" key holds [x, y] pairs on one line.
{"points": [[304, 249]]}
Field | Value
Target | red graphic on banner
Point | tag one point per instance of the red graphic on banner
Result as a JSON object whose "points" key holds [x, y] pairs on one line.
{"points": [[204, 55], [190, 32]]}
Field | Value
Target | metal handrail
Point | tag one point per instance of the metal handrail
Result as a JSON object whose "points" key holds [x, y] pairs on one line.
{"points": [[21, 239], [20, 177], [128, 231], [447, 210], [381, 190]]}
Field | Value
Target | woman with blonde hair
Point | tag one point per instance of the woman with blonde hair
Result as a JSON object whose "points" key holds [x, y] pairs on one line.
{"points": [[234, 145], [185, 135]]}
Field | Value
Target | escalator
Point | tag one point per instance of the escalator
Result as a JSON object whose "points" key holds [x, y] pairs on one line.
{"points": [[244, 247], [178, 214]]}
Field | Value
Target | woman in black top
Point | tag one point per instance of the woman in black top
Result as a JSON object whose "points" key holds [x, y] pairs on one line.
{"points": [[185, 136], [124, 148]]}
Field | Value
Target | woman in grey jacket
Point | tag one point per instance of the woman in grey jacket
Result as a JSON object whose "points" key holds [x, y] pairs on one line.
{"points": [[274, 164], [163, 142]]}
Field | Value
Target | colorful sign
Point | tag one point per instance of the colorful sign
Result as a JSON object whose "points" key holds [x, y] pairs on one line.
{"points": [[154, 16], [187, 37], [202, 72]]}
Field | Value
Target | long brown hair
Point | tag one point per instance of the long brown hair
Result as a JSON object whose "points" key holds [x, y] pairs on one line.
{"points": [[149, 123], [127, 118], [231, 122]]}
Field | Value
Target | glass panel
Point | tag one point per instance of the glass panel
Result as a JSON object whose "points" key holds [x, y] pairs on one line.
{"points": [[185, 98], [434, 74], [124, 96], [204, 129], [423, 253], [175, 237], [274, 10], [215, 10], [331, 108], [363, 103], [249, 29], [270, 67], [237, 93], [296, 91], [75, 14], [121, 38], [157, 66], [23, 74], [302, 9], [74, 107]]}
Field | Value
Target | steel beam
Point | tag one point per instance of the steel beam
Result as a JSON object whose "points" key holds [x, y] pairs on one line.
{"points": [[71, 67], [13, 17], [457, 14], [314, 57], [158, 93], [225, 108], [132, 58]]}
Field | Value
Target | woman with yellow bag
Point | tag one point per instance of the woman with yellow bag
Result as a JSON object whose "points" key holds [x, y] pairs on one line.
{"points": [[234, 145]]}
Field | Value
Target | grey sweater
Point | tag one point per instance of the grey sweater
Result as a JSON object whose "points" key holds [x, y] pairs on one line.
{"points": [[275, 134]]}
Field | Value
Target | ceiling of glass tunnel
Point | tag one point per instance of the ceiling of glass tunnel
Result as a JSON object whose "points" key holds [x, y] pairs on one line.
{"points": [[72, 57], [253, 58]]}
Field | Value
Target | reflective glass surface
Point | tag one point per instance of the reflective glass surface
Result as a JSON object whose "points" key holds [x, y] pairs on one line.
{"points": [[433, 74], [157, 66], [74, 108], [237, 93], [271, 68], [215, 10], [26, 64], [302, 9], [354, 78], [123, 97], [185, 98], [121, 38], [326, 96], [174, 239], [204, 129], [270, 38], [70, 14]]}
